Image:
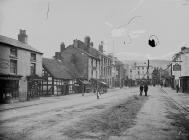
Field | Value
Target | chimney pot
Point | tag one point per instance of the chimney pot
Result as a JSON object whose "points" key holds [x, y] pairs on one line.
{"points": [[22, 36], [62, 47]]}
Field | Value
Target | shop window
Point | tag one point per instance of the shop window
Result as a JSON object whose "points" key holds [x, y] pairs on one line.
{"points": [[13, 66]]}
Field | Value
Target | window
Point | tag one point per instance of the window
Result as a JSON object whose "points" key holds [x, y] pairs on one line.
{"points": [[13, 66], [33, 57], [13, 52], [32, 68]]}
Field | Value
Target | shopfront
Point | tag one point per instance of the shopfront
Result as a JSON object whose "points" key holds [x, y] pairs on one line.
{"points": [[9, 87]]}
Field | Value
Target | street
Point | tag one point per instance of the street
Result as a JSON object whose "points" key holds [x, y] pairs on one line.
{"points": [[119, 114]]}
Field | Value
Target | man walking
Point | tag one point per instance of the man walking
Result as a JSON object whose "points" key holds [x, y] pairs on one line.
{"points": [[98, 91], [141, 89], [145, 89], [177, 87]]}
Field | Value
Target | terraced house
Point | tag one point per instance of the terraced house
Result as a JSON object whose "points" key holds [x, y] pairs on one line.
{"points": [[20, 69]]}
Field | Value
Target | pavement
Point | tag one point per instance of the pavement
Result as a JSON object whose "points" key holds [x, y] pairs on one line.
{"points": [[181, 98]]}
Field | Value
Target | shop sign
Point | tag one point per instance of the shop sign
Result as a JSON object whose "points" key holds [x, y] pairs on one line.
{"points": [[176, 67]]}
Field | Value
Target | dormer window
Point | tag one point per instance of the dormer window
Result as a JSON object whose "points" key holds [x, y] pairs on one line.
{"points": [[13, 52], [33, 57]]}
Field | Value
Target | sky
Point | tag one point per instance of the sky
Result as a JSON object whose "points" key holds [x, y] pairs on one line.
{"points": [[124, 26]]}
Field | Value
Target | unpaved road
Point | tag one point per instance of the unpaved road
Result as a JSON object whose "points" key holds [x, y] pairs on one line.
{"points": [[120, 114], [49, 121]]}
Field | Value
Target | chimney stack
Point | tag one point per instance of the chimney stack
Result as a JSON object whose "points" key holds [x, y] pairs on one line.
{"points": [[75, 43], [87, 41], [62, 47], [101, 47], [22, 36]]}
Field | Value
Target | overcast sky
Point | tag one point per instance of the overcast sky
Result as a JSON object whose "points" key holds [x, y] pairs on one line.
{"points": [[103, 20]]}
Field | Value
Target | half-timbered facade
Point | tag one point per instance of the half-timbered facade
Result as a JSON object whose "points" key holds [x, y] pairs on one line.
{"points": [[59, 78]]}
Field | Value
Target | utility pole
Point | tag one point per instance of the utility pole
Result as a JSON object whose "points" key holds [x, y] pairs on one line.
{"points": [[148, 70]]}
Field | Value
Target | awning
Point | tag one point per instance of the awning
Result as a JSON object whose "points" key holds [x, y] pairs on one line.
{"points": [[9, 77], [34, 77], [85, 82], [101, 82], [184, 77]]}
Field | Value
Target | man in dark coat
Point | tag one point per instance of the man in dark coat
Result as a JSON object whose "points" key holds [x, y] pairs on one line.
{"points": [[141, 89], [177, 87], [145, 89]]}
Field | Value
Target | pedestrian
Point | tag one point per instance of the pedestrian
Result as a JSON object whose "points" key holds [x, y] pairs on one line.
{"points": [[98, 91], [141, 89], [177, 88], [146, 89], [161, 84]]}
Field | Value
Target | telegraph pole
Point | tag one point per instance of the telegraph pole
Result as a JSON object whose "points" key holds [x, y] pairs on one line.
{"points": [[148, 70]]}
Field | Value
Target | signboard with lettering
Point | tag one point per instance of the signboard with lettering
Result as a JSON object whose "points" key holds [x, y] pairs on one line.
{"points": [[4, 64], [176, 67]]}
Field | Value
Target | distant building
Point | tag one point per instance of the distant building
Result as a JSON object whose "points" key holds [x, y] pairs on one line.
{"points": [[140, 72], [106, 64], [120, 73], [20, 64]]}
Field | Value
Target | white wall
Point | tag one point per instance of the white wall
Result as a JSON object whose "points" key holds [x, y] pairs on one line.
{"points": [[23, 66], [185, 64]]}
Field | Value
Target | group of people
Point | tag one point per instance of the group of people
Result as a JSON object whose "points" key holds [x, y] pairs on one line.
{"points": [[143, 87]]}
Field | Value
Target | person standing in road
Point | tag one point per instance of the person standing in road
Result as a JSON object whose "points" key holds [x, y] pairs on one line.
{"points": [[98, 91], [141, 89], [146, 89], [177, 87]]}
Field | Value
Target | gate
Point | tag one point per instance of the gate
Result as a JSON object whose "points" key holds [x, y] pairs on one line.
{"points": [[34, 87]]}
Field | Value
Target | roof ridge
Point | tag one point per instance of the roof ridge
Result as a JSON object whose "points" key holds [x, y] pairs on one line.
{"points": [[17, 43]]}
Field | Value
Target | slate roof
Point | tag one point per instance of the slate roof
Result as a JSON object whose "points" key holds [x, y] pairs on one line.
{"points": [[18, 44], [60, 69], [84, 51]]}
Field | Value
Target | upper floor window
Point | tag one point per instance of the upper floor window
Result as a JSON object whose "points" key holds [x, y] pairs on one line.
{"points": [[13, 52], [33, 57], [33, 68], [13, 66]]}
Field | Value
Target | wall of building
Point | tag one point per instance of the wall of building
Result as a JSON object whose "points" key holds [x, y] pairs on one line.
{"points": [[106, 69], [93, 68], [79, 59], [4, 59], [23, 66], [185, 64]]}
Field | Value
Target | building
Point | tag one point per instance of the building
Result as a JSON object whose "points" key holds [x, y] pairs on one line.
{"points": [[180, 69], [120, 73], [59, 78], [85, 59], [106, 64], [140, 72], [20, 68]]}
